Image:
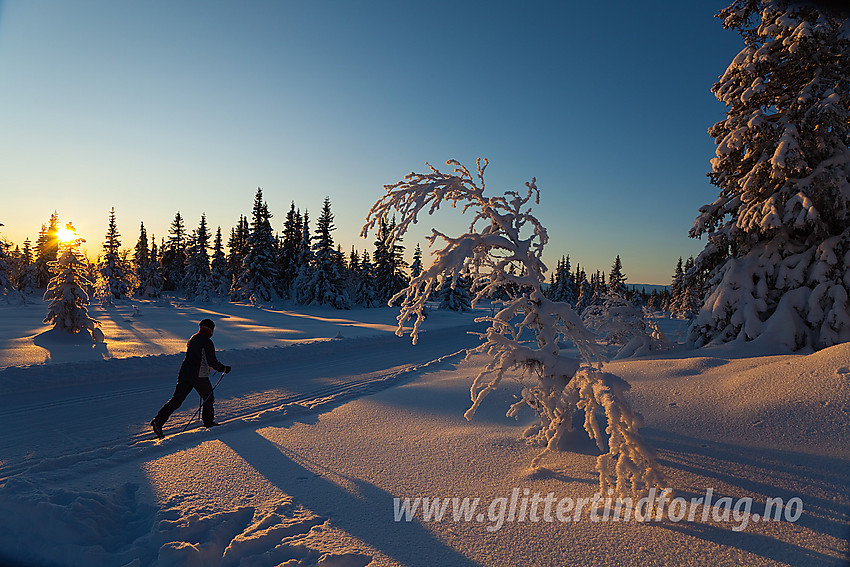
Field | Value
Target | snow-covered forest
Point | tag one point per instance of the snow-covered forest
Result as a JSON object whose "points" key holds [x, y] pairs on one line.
{"points": [[256, 264], [299, 265]]}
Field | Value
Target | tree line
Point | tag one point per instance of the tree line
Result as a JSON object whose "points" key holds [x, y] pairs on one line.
{"points": [[298, 264], [682, 298], [301, 263]]}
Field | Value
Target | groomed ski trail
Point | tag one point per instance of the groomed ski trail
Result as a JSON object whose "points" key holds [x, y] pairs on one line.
{"points": [[266, 385]]}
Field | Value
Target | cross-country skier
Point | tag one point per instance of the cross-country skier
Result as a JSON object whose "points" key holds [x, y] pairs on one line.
{"points": [[194, 373]]}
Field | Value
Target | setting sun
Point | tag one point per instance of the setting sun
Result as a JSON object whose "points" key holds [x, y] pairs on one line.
{"points": [[66, 234]]}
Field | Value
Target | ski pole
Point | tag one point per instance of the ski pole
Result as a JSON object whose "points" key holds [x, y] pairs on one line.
{"points": [[203, 401]]}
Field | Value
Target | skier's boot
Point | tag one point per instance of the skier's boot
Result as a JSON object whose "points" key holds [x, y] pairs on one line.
{"points": [[157, 429], [211, 424]]}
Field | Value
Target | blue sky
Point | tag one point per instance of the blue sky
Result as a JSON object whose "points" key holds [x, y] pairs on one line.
{"points": [[154, 107]]}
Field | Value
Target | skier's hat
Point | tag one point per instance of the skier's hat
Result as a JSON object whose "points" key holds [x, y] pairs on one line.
{"points": [[208, 324]]}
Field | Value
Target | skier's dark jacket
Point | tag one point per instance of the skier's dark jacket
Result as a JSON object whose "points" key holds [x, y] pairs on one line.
{"points": [[191, 367]]}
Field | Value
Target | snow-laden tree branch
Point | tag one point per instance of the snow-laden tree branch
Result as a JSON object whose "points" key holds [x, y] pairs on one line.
{"points": [[502, 250]]}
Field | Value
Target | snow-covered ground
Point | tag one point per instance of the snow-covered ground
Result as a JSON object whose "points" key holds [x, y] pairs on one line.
{"points": [[328, 418]]}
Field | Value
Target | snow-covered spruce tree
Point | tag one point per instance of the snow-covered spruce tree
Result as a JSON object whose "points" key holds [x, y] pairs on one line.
{"points": [[353, 260], [174, 255], [778, 251], [352, 273], [256, 281], [416, 262], [198, 279], [691, 291], [112, 268], [299, 291], [617, 280], [365, 294], [237, 247], [654, 302], [400, 279], [416, 269], [67, 294], [503, 232], [677, 290], [388, 262], [326, 285], [154, 282], [585, 292], [141, 260], [25, 279], [220, 275], [563, 286], [147, 266], [453, 293], [47, 249], [290, 242], [599, 288], [7, 289]]}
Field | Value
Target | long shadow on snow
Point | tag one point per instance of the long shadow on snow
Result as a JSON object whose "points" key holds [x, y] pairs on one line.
{"points": [[359, 508], [758, 544], [820, 482], [64, 347], [127, 322]]}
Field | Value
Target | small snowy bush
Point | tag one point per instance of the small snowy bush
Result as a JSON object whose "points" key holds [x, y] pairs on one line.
{"points": [[617, 321], [503, 232]]}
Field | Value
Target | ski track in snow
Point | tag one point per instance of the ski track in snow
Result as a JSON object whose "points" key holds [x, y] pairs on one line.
{"points": [[267, 384], [77, 419]]}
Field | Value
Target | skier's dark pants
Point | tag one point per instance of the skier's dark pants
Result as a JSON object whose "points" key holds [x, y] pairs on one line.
{"points": [[202, 386]]}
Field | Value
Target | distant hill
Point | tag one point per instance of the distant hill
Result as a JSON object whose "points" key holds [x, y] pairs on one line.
{"points": [[648, 287]]}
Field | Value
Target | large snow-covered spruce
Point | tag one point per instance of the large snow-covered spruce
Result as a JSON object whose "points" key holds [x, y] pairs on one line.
{"points": [[525, 334], [67, 294], [777, 260]]}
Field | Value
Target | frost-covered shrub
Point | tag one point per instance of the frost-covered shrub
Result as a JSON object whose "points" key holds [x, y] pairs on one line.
{"points": [[526, 333], [777, 260], [619, 322]]}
